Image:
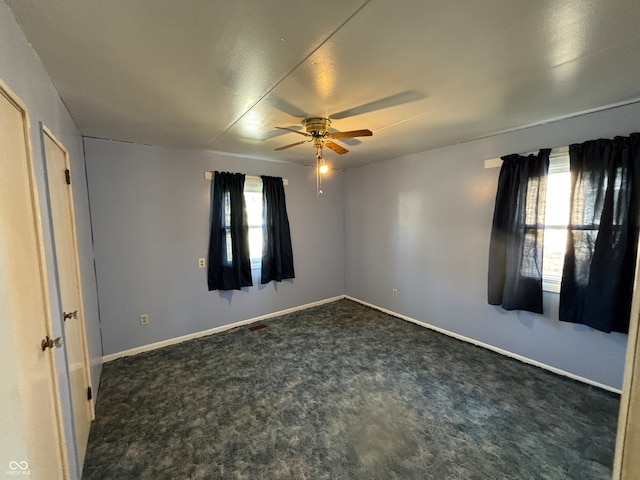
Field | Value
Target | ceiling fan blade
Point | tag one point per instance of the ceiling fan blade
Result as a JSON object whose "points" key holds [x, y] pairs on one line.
{"points": [[273, 134], [335, 147], [352, 133], [386, 102], [294, 131], [292, 145], [286, 107]]}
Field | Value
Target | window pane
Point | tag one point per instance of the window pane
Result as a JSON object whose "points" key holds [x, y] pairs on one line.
{"points": [[255, 243], [227, 227], [554, 247], [253, 203], [253, 200], [556, 219], [557, 211]]}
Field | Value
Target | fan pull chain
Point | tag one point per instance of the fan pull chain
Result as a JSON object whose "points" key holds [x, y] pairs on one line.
{"points": [[318, 176]]}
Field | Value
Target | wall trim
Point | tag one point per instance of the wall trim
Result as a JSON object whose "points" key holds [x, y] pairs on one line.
{"points": [[211, 331], [501, 351], [222, 328]]}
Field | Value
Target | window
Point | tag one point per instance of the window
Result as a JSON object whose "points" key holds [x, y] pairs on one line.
{"points": [[556, 219], [253, 203]]}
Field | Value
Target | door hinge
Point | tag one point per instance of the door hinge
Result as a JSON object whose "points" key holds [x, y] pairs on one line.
{"points": [[67, 176], [89, 394]]}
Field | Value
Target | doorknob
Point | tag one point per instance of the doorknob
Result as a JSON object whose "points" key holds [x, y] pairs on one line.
{"points": [[51, 342], [67, 316]]}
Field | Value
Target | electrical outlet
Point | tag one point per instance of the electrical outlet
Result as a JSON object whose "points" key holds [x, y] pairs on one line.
{"points": [[144, 319], [394, 292], [202, 263]]}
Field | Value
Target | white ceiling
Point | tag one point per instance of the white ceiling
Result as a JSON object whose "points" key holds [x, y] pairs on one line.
{"points": [[220, 75]]}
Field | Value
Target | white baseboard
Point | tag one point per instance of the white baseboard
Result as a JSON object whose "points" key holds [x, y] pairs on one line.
{"points": [[204, 333], [491, 347]]}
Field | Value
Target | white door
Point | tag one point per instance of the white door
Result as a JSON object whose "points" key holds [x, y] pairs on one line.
{"points": [[627, 460], [31, 434], [64, 233]]}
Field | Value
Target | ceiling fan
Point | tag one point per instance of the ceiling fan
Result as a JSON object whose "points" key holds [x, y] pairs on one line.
{"points": [[318, 131]]}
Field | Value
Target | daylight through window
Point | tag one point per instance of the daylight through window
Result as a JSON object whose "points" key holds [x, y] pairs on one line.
{"points": [[556, 219], [253, 203]]}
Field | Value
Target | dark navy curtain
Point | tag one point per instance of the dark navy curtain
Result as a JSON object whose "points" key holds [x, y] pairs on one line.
{"points": [[599, 264], [517, 235], [277, 254], [229, 259]]}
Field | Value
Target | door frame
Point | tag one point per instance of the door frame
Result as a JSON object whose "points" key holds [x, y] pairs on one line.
{"points": [[85, 348]]}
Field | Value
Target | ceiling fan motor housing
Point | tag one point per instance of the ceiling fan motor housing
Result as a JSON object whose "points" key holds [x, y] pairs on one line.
{"points": [[317, 126]]}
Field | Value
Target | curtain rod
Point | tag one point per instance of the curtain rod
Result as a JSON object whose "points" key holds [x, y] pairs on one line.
{"points": [[208, 175], [555, 152]]}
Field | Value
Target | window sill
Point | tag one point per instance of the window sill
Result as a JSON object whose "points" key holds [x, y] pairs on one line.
{"points": [[551, 284]]}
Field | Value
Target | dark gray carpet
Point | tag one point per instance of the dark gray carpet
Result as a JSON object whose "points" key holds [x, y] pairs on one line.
{"points": [[342, 391]]}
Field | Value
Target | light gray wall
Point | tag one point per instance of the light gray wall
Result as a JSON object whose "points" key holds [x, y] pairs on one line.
{"points": [[422, 223], [150, 209], [21, 70]]}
